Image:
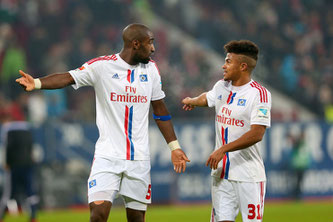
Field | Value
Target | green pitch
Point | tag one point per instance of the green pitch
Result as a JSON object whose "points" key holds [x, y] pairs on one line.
{"points": [[274, 212]]}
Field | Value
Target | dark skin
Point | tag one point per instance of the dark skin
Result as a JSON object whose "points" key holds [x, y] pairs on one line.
{"points": [[138, 47]]}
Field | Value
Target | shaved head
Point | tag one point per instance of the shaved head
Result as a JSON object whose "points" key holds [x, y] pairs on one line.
{"points": [[138, 45], [251, 63], [135, 32]]}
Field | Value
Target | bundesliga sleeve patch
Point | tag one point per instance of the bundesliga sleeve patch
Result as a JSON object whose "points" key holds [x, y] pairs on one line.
{"points": [[263, 113]]}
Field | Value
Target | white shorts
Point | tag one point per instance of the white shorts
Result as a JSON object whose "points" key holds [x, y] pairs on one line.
{"points": [[110, 177], [228, 197]]}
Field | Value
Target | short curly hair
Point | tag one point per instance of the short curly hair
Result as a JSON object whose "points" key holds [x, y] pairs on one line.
{"points": [[242, 47]]}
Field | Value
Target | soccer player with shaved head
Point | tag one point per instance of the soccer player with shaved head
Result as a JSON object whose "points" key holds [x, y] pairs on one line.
{"points": [[125, 85], [242, 108]]}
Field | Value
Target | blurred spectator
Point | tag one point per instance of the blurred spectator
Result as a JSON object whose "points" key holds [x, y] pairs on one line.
{"points": [[300, 161], [37, 108], [56, 103], [19, 166], [13, 59], [329, 113], [289, 73]]}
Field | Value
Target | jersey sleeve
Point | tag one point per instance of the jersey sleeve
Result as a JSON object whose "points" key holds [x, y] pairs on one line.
{"points": [[83, 76], [211, 95], [261, 109], [157, 92]]}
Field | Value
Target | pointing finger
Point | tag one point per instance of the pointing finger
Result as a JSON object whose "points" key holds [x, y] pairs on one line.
{"points": [[22, 73]]}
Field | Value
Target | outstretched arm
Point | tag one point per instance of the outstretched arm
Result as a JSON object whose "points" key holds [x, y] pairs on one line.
{"points": [[53, 81], [253, 136], [178, 157], [191, 103]]}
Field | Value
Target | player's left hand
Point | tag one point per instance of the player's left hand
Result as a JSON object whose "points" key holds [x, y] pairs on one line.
{"points": [[215, 158], [179, 159]]}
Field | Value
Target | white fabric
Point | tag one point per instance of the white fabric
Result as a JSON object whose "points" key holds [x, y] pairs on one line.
{"points": [[133, 204], [122, 104], [128, 178], [230, 197], [111, 195], [174, 145], [38, 83], [108, 195], [250, 105]]}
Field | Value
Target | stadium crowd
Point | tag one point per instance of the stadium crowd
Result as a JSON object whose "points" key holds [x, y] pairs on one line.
{"points": [[43, 37], [295, 38]]}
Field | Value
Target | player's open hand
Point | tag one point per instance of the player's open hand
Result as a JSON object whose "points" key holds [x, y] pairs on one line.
{"points": [[179, 159], [187, 104], [215, 158], [26, 81]]}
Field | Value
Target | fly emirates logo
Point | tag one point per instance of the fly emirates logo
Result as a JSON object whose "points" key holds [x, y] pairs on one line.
{"points": [[129, 97], [225, 118]]}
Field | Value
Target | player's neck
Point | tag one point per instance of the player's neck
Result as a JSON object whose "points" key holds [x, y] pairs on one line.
{"points": [[127, 57], [241, 81]]}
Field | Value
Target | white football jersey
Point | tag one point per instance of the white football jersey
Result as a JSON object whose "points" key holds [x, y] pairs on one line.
{"points": [[123, 96], [237, 108]]}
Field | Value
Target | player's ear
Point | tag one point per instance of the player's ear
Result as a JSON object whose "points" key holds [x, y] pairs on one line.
{"points": [[243, 66], [136, 44]]}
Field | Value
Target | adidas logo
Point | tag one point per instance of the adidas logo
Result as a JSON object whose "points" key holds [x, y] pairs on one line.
{"points": [[115, 76], [219, 97]]}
